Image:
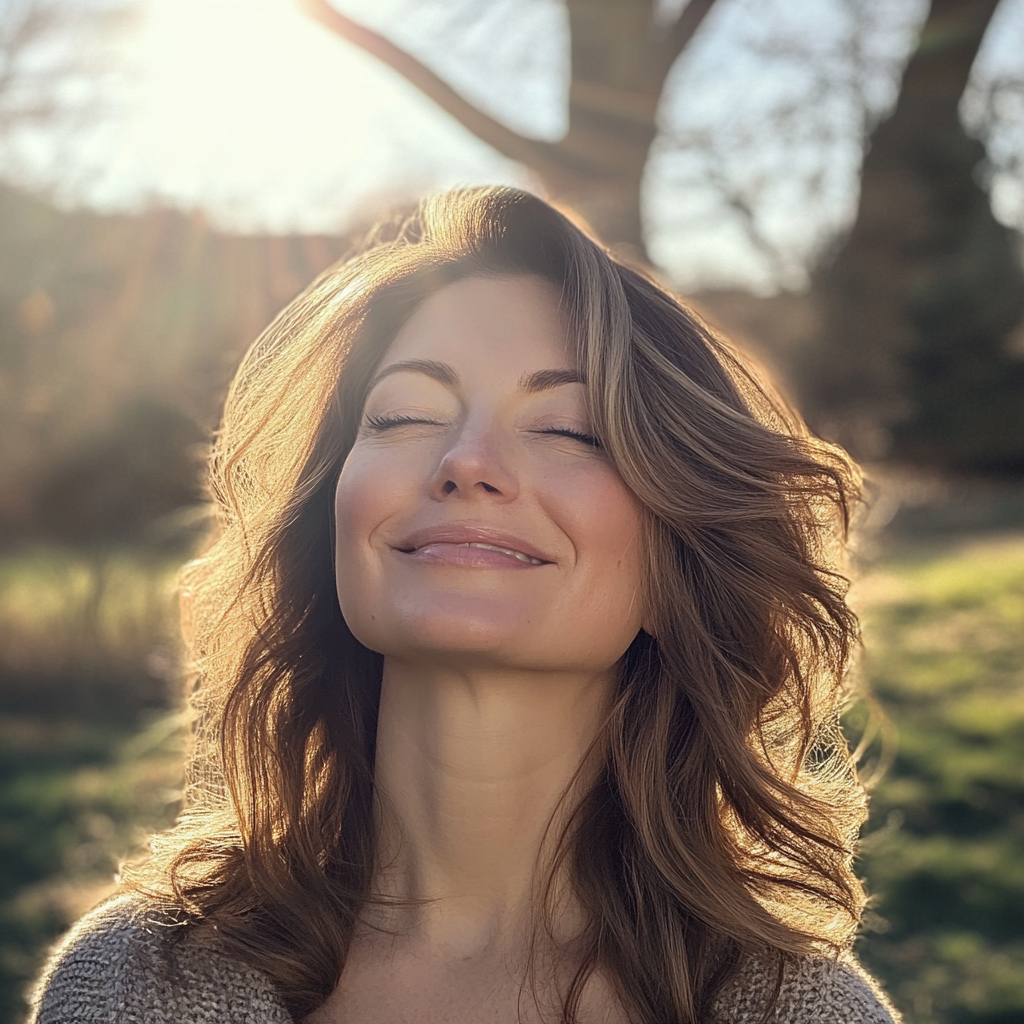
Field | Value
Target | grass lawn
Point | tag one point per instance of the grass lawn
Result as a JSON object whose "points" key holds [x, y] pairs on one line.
{"points": [[944, 852], [81, 781], [74, 798], [89, 756]]}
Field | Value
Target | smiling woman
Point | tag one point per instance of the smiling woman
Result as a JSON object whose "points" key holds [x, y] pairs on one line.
{"points": [[476, 451], [518, 659]]}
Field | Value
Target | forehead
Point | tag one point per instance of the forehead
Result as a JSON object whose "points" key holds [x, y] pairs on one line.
{"points": [[496, 324]]}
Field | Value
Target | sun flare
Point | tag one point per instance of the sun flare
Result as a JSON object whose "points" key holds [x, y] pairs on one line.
{"points": [[251, 108]]}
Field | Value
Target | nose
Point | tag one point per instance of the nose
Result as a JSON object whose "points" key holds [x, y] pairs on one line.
{"points": [[476, 466]]}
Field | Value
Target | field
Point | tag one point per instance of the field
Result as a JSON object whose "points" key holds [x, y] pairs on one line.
{"points": [[89, 757], [943, 851], [89, 753]]}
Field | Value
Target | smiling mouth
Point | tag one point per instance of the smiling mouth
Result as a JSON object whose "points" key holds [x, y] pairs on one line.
{"points": [[504, 551], [478, 545]]}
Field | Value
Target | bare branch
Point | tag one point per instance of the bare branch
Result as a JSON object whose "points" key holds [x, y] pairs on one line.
{"points": [[685, 27], [743, 200], [51, 61], [542, 156]]}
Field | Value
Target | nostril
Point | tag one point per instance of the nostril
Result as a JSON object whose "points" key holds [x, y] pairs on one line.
{"points": [[488, 488], [449, 486]]}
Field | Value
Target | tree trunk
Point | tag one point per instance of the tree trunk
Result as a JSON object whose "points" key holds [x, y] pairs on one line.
{"points": [[613, 102], [918, 304]]}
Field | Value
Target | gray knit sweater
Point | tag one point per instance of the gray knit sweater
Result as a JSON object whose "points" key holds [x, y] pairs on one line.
{"points": [[116, 967]]}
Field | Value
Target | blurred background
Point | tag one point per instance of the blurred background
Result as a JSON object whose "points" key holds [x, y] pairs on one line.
{"points": [[838, 185]]}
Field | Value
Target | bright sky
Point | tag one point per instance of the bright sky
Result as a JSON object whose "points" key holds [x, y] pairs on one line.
{"points": [[267, 121], [251, 110]]}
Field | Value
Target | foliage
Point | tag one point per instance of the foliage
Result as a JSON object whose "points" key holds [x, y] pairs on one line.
{"points": [[118, 336]]}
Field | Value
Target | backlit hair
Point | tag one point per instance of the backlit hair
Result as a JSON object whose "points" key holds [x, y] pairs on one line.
{"points": [[722, 822]]}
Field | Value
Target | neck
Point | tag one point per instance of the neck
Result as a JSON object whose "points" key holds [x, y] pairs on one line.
{"points": [[474, 771]]}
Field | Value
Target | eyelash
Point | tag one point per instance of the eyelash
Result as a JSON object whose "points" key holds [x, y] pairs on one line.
{"points": [[587, 439], [385, 422]]}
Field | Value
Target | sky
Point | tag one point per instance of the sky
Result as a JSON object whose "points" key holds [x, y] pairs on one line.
{"points": [[252, 111], [266, 121]]}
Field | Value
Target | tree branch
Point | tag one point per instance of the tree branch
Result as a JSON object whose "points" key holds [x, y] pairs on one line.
{"points": [[686, 26], [542, 156]]}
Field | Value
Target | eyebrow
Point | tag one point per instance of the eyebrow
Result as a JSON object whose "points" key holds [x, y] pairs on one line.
{"points": [[441, 372], [542, 380], [539, 380]]}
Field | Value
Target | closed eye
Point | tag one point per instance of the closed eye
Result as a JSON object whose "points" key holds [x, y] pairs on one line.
{"points": [[386, 422], [577, 435]]}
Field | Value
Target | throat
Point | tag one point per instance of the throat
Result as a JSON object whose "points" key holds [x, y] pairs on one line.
{"points": [[475, 780]]}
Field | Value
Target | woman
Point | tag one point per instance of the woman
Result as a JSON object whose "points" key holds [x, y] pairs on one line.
{"points": [[520, 652]]}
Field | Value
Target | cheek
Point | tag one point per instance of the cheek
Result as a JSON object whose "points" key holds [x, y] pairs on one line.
{"points": [[604, 520], [370, 489], [610, 519], [355, 499], [369, 492]]}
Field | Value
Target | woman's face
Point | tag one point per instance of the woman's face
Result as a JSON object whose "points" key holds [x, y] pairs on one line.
{"points": [[478, 524]]}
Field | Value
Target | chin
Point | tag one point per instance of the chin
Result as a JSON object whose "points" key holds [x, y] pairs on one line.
{"points": [[469, 631]]}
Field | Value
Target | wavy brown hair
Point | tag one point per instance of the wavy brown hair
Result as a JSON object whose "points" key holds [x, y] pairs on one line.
{"points": [[722, 821]]}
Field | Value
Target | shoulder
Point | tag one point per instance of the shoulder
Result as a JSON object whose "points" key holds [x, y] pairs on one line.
{"points": [[120, 964], [813, 990]]}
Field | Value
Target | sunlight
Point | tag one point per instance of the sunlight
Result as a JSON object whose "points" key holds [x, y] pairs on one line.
{"points": [[248, 107], [214, 70]]}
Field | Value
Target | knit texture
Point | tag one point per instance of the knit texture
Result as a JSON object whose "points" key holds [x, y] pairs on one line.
{"points": [[118, 967]]}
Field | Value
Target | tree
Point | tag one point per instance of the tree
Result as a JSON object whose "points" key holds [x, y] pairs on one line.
{"points": [[621, 54], [916, 301], [921, 298], [119, 334], [53, 60]]}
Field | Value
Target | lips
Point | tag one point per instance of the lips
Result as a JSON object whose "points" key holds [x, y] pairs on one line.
{"points": [[471, 545]]}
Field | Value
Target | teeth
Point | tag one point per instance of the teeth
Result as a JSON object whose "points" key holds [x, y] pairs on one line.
{"points": [[506, 551]]}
